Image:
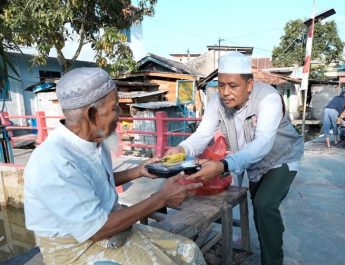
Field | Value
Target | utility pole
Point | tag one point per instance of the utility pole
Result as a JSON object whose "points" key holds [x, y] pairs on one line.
{"points": [[219, 40], [306, 68]]}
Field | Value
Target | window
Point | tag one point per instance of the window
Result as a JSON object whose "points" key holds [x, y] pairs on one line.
{"points": [[4, 89], [44, 75]]}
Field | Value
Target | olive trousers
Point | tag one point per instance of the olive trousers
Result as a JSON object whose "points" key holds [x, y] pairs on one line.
{"points": [[267, 195]]}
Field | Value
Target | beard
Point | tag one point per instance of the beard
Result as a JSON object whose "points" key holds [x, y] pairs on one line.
{"points": [[111, 142]]}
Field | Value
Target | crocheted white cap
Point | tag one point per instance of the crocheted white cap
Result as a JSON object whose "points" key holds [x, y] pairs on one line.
{"points": [[235, 63], [83, 86]]}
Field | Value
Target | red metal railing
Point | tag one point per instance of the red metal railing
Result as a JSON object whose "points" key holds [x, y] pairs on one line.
{"points": [[161, 123], [161, 120]]}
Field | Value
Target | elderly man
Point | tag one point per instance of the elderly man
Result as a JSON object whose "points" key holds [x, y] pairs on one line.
{"points": [[70, 198], [262, 142]]}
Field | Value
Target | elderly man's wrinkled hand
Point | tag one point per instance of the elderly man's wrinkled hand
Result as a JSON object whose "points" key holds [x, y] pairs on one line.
{"points": [[143, 170], [174, 193]]}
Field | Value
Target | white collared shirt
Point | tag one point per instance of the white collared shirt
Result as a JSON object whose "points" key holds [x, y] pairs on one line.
{"points": [[69, 187]]}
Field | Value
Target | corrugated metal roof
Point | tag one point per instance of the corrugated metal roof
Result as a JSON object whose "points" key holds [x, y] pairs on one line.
{"points": [[135, 84], [154, 105], [244, 50], [140, 94], [174, 66]]}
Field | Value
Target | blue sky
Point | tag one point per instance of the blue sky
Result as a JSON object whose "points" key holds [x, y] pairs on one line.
{"points": [[179, 25]]}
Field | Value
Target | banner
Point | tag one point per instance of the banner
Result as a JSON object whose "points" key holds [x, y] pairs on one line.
{"points": [[184, 91]]}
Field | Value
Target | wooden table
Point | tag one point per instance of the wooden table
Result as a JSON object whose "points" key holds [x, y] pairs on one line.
{"points": [[196, 219]]}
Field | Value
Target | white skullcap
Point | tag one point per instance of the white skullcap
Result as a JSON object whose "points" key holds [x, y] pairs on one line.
{"points": [[235, 63], [83, 86]]}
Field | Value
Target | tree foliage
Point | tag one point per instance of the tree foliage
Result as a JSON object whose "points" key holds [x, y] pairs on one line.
{"points": [[327, 46], [6, 42], [48, 24]]}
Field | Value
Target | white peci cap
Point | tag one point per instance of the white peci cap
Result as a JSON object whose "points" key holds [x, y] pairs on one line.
{"points": [[235, 63], [83, 86]]}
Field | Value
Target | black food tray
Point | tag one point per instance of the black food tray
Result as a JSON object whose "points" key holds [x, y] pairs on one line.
{"points": [[165, 171]]}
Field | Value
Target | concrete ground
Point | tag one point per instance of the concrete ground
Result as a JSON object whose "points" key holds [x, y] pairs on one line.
{"points": [[313, 211]]}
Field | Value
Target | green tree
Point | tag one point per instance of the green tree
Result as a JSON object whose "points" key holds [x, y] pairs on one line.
{"points": [[327, 46], [6, 42], [48, 24]]}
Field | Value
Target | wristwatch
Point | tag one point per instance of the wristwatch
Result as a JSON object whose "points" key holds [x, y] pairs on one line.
{"points": [[226, 171]]}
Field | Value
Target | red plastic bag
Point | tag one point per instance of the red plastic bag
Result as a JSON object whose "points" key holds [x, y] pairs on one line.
{"points": [[216, 151]]}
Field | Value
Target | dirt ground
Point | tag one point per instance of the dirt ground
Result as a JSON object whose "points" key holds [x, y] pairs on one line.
{"points": [[214, 255]]}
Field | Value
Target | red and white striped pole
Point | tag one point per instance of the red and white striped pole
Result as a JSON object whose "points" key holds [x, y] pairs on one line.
{"points": [[306, 67]]}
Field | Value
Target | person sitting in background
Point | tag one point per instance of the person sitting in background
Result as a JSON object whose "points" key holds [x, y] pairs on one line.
{"points": [[333, 110], [70, 199]]}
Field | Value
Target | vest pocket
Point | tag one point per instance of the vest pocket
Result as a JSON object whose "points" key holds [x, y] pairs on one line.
{"points": [[249, 128]]}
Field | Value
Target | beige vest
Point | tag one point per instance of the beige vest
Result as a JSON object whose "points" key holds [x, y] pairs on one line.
{"points": [[288, 145]]}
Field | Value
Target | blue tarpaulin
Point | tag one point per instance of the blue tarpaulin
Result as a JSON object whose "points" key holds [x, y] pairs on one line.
{"points": [[41, 87]]}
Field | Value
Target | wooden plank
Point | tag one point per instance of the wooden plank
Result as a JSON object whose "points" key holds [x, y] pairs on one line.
{"points": [[227, 234], [203, 235], [244, 224], [233, 196], [191, 219], [309, 122], [214, 237]]}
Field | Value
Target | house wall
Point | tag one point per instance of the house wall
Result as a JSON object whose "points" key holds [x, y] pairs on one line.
{"points": [[206, 63], [292, 99], [49, 103], [321, 95], [183, 58], [23, 102], [170, 85], [164, 84]]}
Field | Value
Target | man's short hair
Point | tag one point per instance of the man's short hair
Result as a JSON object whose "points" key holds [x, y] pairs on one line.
{"points": [[83, 86]]}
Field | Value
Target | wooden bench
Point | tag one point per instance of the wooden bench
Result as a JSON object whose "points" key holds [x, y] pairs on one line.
{"points": [[196, 219]]}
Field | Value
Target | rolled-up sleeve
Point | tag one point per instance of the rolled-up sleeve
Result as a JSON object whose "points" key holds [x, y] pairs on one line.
{"points": [[70, 197]]}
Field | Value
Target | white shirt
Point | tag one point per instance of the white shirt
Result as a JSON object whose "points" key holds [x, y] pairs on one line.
{"points": [[69, 187], [268, 120]]}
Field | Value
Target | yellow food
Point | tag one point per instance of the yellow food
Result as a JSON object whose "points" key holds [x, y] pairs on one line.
{"points": [[173, 159]]}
